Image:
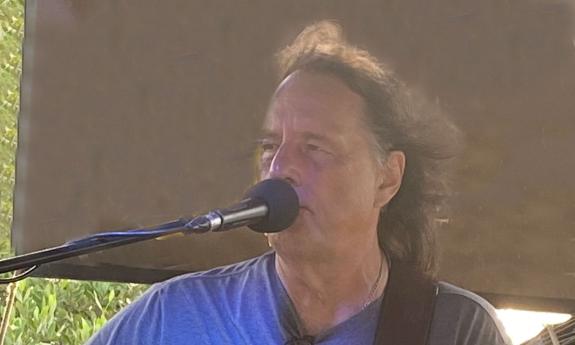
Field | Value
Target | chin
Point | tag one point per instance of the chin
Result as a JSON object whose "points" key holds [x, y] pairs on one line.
{"points": [[294, 242]]}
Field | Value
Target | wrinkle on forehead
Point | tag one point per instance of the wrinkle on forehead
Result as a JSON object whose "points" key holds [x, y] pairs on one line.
{"points": [[303, 96]]}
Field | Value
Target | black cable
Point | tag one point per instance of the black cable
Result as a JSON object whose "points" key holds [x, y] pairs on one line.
{"points": [[29, 262], [96, 242], [18, 277], [153, 231]]}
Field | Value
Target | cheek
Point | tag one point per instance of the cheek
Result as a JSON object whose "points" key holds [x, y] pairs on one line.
{"points": [[355, 187]]}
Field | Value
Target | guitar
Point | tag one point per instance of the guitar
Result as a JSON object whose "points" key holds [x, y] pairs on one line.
{"points": [[561, 334]]}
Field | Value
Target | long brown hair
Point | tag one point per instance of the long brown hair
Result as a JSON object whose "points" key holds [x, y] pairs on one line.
{"points": [[400, 120]]}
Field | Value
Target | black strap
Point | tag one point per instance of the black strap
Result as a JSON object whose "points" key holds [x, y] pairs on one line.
{"points": [[407, 307]]}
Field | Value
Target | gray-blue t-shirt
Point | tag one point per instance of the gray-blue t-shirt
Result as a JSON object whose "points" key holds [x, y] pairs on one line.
{"points": [[246, 303]]}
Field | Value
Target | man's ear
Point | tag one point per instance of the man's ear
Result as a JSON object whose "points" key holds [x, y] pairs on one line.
{"points": [[390, 177]]}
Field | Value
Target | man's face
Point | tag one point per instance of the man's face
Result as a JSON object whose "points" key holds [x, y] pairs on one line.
{"points": [[315, 138]]}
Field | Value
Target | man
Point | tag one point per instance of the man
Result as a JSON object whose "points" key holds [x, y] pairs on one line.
{"points": [[365, 158]]}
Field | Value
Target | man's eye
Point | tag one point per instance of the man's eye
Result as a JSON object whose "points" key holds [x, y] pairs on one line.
{"points": [[266, 147], [312, 147], [317, 148]]}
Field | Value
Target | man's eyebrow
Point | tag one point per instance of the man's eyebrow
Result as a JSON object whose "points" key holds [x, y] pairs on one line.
{"points": [[315, 136], [267, 134], [322, 138]]}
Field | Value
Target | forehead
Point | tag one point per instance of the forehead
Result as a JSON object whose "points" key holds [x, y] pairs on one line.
{"points": [[305, 100]]}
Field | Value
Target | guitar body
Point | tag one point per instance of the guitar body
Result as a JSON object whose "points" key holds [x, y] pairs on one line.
{"points": [[561, 334]]}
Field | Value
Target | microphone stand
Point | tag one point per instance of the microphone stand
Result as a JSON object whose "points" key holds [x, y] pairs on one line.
{"points": [[262, 203], [97, 242]]}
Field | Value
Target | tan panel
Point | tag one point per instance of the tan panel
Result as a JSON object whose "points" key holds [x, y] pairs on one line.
{"points": [[138, 112]]}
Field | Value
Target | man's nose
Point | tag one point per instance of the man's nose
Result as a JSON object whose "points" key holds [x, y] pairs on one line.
{"points": [[286, 165]]}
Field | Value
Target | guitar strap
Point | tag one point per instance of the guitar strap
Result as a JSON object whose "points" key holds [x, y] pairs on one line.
{"points": [[407, 307]]}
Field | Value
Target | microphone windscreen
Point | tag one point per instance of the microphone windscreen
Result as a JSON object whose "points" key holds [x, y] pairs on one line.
{"points": [[282, 203]]}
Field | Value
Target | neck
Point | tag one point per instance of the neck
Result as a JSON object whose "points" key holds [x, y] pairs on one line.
{"points": [[330, 290]]}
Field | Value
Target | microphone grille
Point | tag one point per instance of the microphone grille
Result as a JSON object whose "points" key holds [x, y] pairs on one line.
{"points": [[282, 203]]}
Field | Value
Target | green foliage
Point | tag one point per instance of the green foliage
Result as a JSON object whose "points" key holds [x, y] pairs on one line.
{"points": [[59, 311], [11, 34], [46, 311]]}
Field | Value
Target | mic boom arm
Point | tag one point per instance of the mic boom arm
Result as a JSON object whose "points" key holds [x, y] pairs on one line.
{"points": [[270, 206], [95, 243]]}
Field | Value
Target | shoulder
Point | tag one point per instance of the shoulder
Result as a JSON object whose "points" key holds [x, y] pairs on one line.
{"points": [[171, 306], [217, 288], [462, 317], [452, 295], [260, 266]]}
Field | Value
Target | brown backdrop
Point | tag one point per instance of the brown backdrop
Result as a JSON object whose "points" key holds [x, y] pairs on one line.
{"points": [[138, 112]]}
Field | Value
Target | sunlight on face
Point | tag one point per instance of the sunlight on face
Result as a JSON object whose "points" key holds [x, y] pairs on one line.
{"points": [[314, 137], [522, 325]]}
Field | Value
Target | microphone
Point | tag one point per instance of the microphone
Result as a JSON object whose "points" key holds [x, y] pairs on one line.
{"points": [[269, 206]]}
